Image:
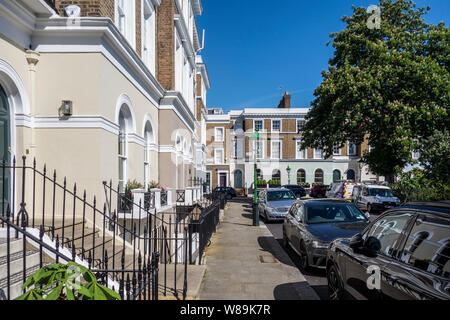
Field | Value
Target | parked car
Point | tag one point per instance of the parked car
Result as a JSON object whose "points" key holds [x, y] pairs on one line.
{"points": [[274, 204], [299, 191], [229, 192], [408, 247], [374, 198], [312, 224], [318, 191], [341, 189]]}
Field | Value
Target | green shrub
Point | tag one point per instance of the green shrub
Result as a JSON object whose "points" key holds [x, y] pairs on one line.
{"points": [[304, 184], [261, 183], [416, 186], [276, 182], [154, 185], [65, 282]]}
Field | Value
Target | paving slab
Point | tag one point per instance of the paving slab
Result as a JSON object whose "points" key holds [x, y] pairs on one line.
{"points": [[245, 262]]}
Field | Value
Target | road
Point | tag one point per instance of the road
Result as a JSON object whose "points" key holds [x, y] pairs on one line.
{"points": [[315, 277]]}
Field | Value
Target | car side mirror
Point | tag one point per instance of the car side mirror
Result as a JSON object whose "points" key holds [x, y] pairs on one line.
{"points": [[372, 247], [367, 215], [356, 241]]}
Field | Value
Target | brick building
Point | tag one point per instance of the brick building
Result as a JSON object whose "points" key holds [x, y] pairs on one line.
{"points": [[232, 147], [133, 75]]}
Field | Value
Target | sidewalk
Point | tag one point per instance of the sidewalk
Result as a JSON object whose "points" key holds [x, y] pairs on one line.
{"points": [[247, 263]]}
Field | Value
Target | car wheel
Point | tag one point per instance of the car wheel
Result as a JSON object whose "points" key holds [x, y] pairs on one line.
{"points": [[229, 196], [303, 257], [335, 288]]}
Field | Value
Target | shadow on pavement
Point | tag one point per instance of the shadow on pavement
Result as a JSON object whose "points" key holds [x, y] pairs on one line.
{"points": [[269, 244], [289, 291]]}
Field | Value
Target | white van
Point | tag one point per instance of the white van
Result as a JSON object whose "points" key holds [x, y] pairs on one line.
{"points": [[374, 198]]}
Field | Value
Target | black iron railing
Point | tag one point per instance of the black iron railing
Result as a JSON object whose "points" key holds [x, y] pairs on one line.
{"points": [[142, 285], [181, 196], [163, 198], [101, 235]]}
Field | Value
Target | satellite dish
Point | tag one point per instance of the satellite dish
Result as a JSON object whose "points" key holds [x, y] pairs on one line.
{"points": [[73, 11]]}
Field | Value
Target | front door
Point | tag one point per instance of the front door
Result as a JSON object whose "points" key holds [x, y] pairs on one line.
{"points": [[5, 157], [222, 180]]}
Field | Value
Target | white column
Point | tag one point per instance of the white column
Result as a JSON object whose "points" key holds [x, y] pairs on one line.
{"points": [[157, 198]]}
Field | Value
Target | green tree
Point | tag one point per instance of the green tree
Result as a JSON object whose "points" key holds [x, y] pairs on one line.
{"points": [[388, 86], [435, 156]]}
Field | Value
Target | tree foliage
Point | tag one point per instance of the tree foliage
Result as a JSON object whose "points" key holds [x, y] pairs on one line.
{"points": [[388, 87]]}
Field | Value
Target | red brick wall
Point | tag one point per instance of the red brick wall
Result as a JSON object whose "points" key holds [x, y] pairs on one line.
{"points": [[89, 8], [165, 45]]}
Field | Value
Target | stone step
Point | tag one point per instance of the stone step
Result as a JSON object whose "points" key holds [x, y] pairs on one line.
{"points": [[16, 262], [16, 282], [15, 245]]}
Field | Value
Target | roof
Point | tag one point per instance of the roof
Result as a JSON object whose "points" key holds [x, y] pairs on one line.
{"points": [[438, 206], [329, 200]]}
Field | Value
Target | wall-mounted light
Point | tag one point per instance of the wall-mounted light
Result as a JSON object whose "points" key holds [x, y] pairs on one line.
{"points": [[66, 109]]}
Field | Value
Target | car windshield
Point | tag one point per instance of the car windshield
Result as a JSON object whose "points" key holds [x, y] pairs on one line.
{"points": [[280, 195], [333, 212], [380, 192]]}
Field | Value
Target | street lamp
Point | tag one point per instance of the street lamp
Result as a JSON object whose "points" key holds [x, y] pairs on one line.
{"points": [[288, 169], [255, 174]]}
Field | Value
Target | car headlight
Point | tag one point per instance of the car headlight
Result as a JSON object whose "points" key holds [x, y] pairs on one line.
{"points": [[319, 244], [270, 209]]}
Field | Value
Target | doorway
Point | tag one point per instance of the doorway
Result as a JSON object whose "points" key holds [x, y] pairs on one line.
{"points": [[5, 147], [223, 179]]}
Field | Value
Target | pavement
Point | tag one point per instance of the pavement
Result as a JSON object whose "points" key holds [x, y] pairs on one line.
{"points": [[247, 263]]}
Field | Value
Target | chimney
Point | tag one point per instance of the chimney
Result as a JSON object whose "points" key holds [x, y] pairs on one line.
{"points": [[285, 101]]}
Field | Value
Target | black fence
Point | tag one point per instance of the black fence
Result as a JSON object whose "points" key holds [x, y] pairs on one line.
{"points": [[27, 253], [109, 241]]}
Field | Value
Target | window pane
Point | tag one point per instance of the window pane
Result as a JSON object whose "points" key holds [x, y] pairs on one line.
{"points": [[276, 145], [388, 230], [301, 176], [258, 125], [276, 125], [318, 177], [428, 246]]}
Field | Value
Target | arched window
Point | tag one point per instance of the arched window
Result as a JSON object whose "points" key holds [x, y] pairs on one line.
{"points": [[301, 176], [336, 175], [259, 174], [148, 137], [238, 179], [318, 176], [125, 120], [276, 174], [5, 142], [351, 174]]}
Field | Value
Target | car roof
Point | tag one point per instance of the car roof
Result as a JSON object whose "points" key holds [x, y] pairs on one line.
{"points": [[377, 186], [327, 200], [278, 189], [438, 206]]}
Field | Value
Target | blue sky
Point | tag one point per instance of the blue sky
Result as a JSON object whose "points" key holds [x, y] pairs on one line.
{"points": [[252, 47]]}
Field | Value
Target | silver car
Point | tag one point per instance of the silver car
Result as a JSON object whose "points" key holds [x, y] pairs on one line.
{"points": [[274, 204]]}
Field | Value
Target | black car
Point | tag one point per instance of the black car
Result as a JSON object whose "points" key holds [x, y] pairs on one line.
{"points": [[298, 191], [229, 192], [311, 225], [402, 255]]}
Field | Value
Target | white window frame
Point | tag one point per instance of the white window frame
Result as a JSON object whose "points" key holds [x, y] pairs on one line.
{"points": [[337, 153], [298, 153], [123, 160], [315, 157], [254, 125], [280, 142], [149, 36], [262, 148], [348, 149], [271, 125], [223, 134], [222, 158], [299, 120], [125, 12]]}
